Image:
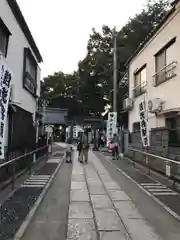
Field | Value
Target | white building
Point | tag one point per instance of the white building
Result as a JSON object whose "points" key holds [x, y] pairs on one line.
{"points": [[154, 76], [20, 50]]}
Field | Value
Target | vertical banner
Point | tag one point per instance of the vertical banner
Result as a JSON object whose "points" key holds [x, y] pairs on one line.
{"points": [[5, 87], [144, 124], [111, 126]]}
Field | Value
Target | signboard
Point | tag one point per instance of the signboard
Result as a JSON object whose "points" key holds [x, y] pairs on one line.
{"points": [[5, 89], [92, 122], [28, 84], [49, 129], [144, 124], [111, 125]]}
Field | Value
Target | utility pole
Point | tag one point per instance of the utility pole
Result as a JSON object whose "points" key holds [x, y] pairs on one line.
{"points": [[44, 106], [115, 85], [115, 71]]}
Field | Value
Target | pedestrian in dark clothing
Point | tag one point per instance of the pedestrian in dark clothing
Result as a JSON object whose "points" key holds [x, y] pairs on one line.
{"points": [[115, 147], [79, 149], [85, 147]]}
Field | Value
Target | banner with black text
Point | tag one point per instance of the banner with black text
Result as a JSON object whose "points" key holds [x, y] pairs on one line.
{"points": [[144, 124], [5, 88]]}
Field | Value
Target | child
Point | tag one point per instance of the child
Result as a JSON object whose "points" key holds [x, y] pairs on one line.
{"points": [[69, 152]]}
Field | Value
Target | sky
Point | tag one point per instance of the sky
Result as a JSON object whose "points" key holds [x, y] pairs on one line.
{"points": [[61, 28]]}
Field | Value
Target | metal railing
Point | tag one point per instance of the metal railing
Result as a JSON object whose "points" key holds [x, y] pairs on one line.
{"points": [[27, 162], [140, 89], [165, 73], [168, 167]]}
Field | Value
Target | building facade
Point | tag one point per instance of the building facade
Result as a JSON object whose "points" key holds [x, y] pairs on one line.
{"points": [[22, 55], [154, 77]]}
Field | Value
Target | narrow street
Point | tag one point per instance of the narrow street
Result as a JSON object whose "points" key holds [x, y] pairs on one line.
{"points": [[95, 201], [89, 120]]}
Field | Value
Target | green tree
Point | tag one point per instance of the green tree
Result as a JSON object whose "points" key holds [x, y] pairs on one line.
{"points": [[85, 89], [97, 67], [62, 91]]}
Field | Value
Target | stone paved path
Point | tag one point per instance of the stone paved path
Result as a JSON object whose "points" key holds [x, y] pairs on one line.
{"points": [[100, 210]]}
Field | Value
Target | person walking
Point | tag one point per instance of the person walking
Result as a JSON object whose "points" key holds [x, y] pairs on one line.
{"points": [[85, 147], [79, 149], [115, 147], [69, 150]]}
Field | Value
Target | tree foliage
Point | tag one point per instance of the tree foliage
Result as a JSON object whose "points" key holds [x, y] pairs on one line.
{"points": [[83, 91]]}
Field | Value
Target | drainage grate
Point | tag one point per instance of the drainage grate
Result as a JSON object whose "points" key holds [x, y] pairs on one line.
{"points": [[14, 211], [47, 169]]}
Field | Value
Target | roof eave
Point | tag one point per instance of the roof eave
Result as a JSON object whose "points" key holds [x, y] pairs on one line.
{"points": [[166, 17], [22, 23]]}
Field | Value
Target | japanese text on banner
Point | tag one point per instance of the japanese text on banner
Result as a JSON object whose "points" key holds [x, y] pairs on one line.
{"points": [[111, 126], [144, 124], [5, 87]]}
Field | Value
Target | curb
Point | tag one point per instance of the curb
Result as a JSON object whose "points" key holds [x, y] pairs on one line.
{"points": [[175, 215], [29, 217]]}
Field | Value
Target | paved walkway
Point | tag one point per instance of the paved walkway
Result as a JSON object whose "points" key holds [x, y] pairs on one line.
{"points": [[94, 201], [155, 184], [85, 203], [100, 209]]}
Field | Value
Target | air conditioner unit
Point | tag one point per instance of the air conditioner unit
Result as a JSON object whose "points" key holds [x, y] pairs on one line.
{"points": [[155, 105], [128, 103]]}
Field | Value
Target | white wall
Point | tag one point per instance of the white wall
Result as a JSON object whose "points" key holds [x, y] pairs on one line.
{"points": [[167, 91], [38, 81], [15, 57]]}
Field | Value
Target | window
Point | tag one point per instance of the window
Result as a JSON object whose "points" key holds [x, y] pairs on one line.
{"points": [[140, 82], [171, 123], [164, 63], [4, 38], [30, 72]]}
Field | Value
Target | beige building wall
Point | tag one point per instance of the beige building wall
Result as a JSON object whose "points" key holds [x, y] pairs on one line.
{"points": [[168, 91]]}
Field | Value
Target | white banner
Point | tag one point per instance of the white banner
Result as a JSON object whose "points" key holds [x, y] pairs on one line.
{"points": [[49, 129], [5, 87], [111, 126], [144, 124]]}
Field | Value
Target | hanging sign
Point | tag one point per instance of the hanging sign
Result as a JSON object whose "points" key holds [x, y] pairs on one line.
{"points": [[5, 88], [143, 124]]}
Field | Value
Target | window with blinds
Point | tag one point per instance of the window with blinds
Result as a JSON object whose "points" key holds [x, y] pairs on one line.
{"points": [[164, 63]]}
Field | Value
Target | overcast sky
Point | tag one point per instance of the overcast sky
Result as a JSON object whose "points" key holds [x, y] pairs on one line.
{"points": [[61, 28]]}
